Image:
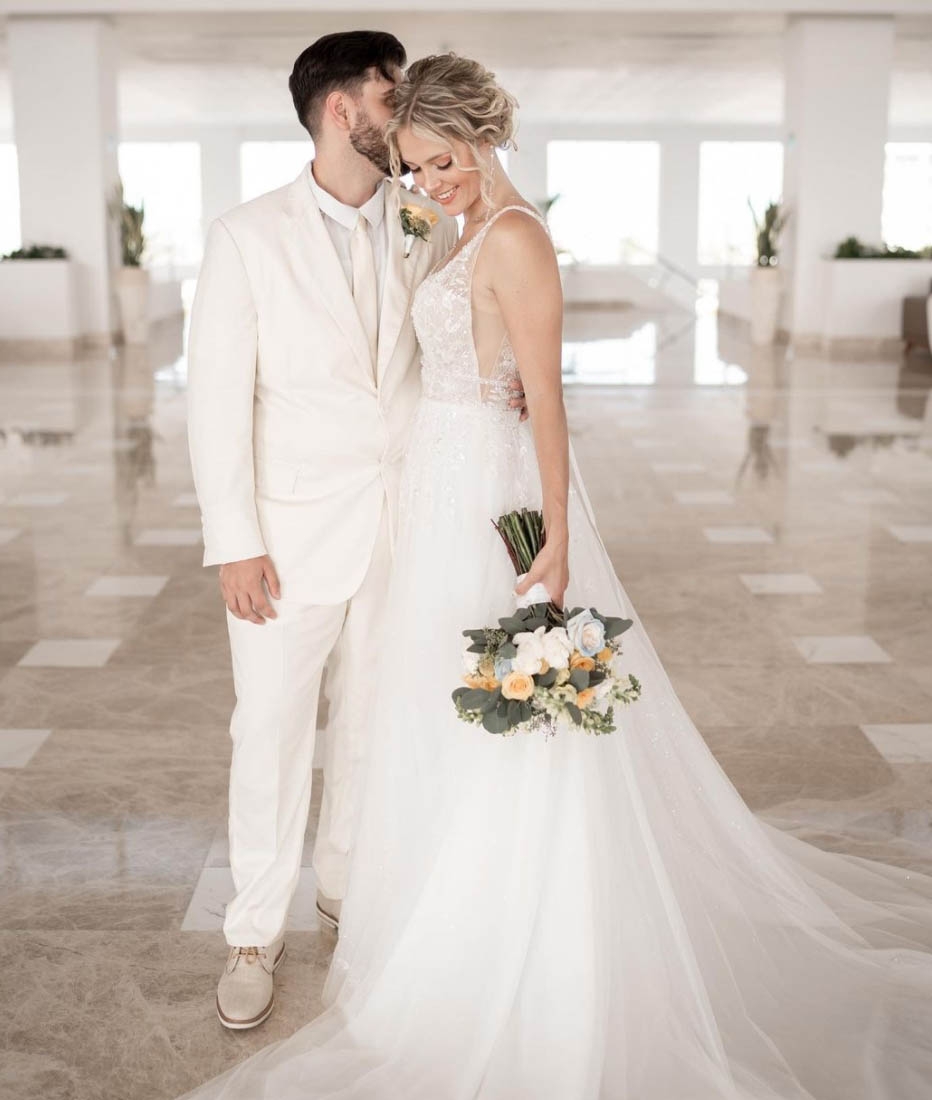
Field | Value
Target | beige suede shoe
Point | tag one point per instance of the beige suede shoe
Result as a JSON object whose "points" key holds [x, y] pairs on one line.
{"points": [[328, 909], [245, 994]]}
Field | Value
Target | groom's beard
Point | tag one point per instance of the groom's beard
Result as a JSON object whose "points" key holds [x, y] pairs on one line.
{"points": [[366, 138]]}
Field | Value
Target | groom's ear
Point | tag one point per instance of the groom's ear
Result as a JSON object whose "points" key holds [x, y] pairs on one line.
{"points": [[335, 108]]}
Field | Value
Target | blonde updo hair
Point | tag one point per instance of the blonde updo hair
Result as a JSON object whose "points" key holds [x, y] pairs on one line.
{"points": [[446, 97]]}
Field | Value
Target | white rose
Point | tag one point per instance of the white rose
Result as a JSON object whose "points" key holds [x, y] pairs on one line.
{"points": [[530, 657], [557, 648], [587, 633]]}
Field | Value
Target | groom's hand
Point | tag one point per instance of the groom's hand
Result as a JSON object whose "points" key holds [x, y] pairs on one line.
{"points": [[518, 400], [244, 592]]}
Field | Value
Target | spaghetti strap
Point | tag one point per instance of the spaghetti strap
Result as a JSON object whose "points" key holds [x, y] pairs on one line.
{"points": [[476, 242]]}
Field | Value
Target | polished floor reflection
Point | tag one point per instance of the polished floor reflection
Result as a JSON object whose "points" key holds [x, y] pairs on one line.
{"points": [[770, 515]]}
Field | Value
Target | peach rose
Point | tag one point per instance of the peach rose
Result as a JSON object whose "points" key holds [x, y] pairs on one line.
{"points": [[579, 661], [518, 685], [486, 683], [605, 655], [585, 697]]}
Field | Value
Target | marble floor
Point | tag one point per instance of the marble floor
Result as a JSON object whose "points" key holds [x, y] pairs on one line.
{"points": [[770, 515]]}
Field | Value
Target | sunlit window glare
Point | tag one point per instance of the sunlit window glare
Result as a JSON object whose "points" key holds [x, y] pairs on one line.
{"points": [[732, 173], [165, 176], [607, 210]]}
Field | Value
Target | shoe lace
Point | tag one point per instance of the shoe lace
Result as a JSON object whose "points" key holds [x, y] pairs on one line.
{"points": [[250, 954]]}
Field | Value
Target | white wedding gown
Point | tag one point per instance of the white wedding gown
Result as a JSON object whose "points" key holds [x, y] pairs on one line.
{"points": [[579, 917]]}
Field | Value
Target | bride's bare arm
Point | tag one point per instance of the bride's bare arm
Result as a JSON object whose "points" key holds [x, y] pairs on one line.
{"points": [[525, 281]]}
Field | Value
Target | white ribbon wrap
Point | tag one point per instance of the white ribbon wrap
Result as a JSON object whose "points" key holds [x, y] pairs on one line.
{"points": [[537, 593]]}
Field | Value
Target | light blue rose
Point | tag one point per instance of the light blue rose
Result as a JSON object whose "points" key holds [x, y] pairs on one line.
{"points": [[503, 665], [586, 633]]}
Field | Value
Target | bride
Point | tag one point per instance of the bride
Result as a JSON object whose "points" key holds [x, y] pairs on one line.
{"points": [[575, 917]]}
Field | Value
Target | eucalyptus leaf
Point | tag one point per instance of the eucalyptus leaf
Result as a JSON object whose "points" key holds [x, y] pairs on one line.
{"points": [[494, 723], [614, 627], [495, 697], [579, 678], [508, 650], [547, 679], [574, 712], [474, 698]]}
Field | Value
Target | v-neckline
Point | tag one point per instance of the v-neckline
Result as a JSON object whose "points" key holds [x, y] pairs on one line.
{"points": [[446, 261]]}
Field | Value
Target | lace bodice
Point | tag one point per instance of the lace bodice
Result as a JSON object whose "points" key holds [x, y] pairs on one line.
{"points": [[443, 320]]}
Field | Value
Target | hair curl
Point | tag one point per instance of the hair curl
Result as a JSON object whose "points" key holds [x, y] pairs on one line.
{"points": [[446, 97]]}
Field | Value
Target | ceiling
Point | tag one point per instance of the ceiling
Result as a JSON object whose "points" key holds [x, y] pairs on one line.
{"points": [[586, 67]]}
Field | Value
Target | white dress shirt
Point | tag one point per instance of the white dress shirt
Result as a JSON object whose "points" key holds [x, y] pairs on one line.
{"points": [[340, 221]]}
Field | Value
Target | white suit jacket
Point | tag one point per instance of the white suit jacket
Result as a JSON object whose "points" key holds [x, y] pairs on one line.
{"points": [[295, 445]]}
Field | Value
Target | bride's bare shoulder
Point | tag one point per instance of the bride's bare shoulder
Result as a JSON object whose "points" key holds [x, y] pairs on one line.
{"points": [[518, 245]]}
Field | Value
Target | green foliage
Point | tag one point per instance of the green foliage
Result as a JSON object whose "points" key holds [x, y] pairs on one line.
{"points": [[130, 220], [579, 678], [767, 231], [853, 249], [413, 226], [37, 252]]}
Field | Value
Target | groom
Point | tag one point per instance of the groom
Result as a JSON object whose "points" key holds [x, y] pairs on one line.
{"points": [[303, 375]]}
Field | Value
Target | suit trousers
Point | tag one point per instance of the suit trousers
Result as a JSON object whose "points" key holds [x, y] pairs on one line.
{"points": [[277, 668]]}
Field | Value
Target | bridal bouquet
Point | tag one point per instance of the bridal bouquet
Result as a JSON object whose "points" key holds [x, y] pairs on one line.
{"points": [[543, 664]]}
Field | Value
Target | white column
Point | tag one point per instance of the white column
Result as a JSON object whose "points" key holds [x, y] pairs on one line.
{"points": [[63, 75], [527, 165], [220, 172], [679, 202], [837, 88]]}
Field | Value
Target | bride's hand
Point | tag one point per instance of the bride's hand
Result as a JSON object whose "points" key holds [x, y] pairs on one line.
{"points": [[551, 569]]}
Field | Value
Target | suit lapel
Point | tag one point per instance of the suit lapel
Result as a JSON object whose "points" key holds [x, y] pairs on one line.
{"points": [[327, 272], [400, 278]]}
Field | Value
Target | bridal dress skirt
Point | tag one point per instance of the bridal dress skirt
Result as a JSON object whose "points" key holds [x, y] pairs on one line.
{"points": [[581, 917]]}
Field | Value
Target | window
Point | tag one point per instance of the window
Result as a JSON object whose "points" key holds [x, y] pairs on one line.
{"points": [[9, 208], [165, 176], [266, 165], [907, 194], [607, 212], [731, 173]]}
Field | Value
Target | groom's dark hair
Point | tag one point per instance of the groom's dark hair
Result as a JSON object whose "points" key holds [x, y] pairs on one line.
{"points": [[340, 62]]}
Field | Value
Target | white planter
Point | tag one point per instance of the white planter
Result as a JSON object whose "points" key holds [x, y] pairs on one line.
{"points": [[132, 287], [863, 299], [766, 286], [37, 301]]}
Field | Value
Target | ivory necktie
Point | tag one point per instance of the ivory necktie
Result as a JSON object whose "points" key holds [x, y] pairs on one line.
{"points": [[365, 285]]}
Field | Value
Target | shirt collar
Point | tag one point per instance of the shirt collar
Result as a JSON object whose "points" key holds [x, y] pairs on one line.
{"points": [[347, 216]]}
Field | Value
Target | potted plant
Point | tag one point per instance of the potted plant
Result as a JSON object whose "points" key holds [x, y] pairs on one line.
{"points": [[765, 276], [37, 252], [132, 283]]}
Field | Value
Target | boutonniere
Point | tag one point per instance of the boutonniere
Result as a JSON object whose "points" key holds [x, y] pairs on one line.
{"points": [[416, 221]]}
